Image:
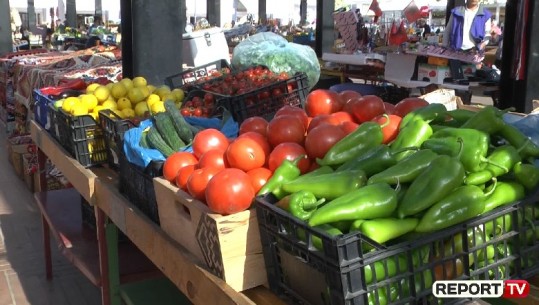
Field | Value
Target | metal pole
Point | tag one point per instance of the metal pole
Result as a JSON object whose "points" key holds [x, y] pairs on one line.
{"points": [[6, 38], [31, 13], [71, 13]]}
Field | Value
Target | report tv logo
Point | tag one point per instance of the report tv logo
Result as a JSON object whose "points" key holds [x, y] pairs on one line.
{"points": [[481, 289]]}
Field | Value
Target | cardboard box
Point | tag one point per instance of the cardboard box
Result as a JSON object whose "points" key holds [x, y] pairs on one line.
{"points": [[30, 173], [468, 70], [432, 73], [346, 23], [204, 46], [437, 61]]}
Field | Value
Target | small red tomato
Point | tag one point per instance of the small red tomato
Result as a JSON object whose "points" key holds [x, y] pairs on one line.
{"points": [[343, 116], [349, 127], [367, 108], [320, 139], [259, 177], [408, 104], [390, 108], [323, 119]]}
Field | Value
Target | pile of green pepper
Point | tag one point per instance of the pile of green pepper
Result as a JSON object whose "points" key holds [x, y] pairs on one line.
{"points": [[443, 168]]}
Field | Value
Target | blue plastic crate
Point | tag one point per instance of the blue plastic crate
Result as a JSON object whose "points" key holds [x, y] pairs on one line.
{"points": [[41, 109]]}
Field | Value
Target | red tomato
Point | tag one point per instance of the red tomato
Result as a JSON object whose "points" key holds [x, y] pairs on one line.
{"points": [[321, 120], [295, 111], [349, 127], [343, 116], [321, 139], [198, 180], [289, 151], [322, 101], [176, 161], [213, 158], [390, 128], [390, 108], [285, 128], [259, 177], [347, 107], [261, 140], [256, 124], [245, 154], [408, 104], [209, 139], [229, 192], [314, 166], [347, 95], [367, 108], [183, 176]]}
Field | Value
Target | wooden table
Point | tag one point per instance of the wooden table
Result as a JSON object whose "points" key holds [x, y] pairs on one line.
{"points": [[99, 186]]}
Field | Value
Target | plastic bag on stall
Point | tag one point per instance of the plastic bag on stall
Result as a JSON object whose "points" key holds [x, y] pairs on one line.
{"points": [[141, 156], [279, 55]]}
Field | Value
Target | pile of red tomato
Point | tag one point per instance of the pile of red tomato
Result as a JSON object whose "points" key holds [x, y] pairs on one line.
{"points": [[226, 174]]}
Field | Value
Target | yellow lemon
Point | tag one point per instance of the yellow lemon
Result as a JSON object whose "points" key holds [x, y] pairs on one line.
{"points": [[79, 109], [128, 113], [151, 88], [141, 109], [158, 107], [102, 93], [162, 91], [179, 94], [152, 99], [128, 83], [91, 88], [88, 100], [110, 105], [69, 102], [170, 96], [109, 86], [136, 95], [118, 90], [139, 81], [144, 91], [123, 103]]}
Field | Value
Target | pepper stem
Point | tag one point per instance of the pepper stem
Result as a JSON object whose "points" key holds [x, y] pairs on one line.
{"points": [[461, 149], [485, 160], [492, 188], [386, 122]]}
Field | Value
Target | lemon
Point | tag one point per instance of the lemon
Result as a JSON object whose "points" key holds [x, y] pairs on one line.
{"points": [[109, 86], [88, 100], [102, 93], [69, 102], [179, 105], [139, 81], [118, 90], [128, 113], [162, 91], [170, 96], [152, 99], [158, 107], [79, 109], [123, 103], [110, 105], [179, 94], [128, 83], [144, 91], [136, 95], [151, 88], [91, 88], [141, 109]]}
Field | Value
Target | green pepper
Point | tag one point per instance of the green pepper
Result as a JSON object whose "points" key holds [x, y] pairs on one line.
{"points": [[496, 273], [423, 281], [385, 268], [356, 225], [525, 147], [475, 237], [406, 170], [463, 203], [428, 114], [368, 202], [367, 135], [374, 160], [438, 180], [488, 120], [475, 145], [450, 146], [527, 175], [328, 186], [383, 229], [319, 171], [498, 226], [413, 135], [328, 229], [505, 193], [499, 162], [377, 297], [302, 204], [459, 116], [287, 171]]}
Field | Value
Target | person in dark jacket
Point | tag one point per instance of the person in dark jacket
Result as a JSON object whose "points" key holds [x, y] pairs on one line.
{"points": [[468, 27]]}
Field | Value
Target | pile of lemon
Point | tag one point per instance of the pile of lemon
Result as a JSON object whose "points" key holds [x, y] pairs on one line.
{"points": [[128, 98]]}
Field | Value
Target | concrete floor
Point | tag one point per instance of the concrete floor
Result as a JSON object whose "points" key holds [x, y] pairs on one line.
{"points": [[22, 269]]}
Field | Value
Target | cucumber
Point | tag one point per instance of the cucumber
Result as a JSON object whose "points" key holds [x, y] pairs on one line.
{"points": [[156, 141], [165, 126], [182, 127]]}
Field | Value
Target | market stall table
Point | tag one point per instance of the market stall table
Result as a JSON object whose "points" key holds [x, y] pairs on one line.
{"points": [[180, 266]]}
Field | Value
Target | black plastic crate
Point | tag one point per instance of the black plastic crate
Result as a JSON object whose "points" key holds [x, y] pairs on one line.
{"points": [[114, 128], [529, 237], [187, 78], [344, 271], [80, 136], [136, 184], [293, 91]]}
